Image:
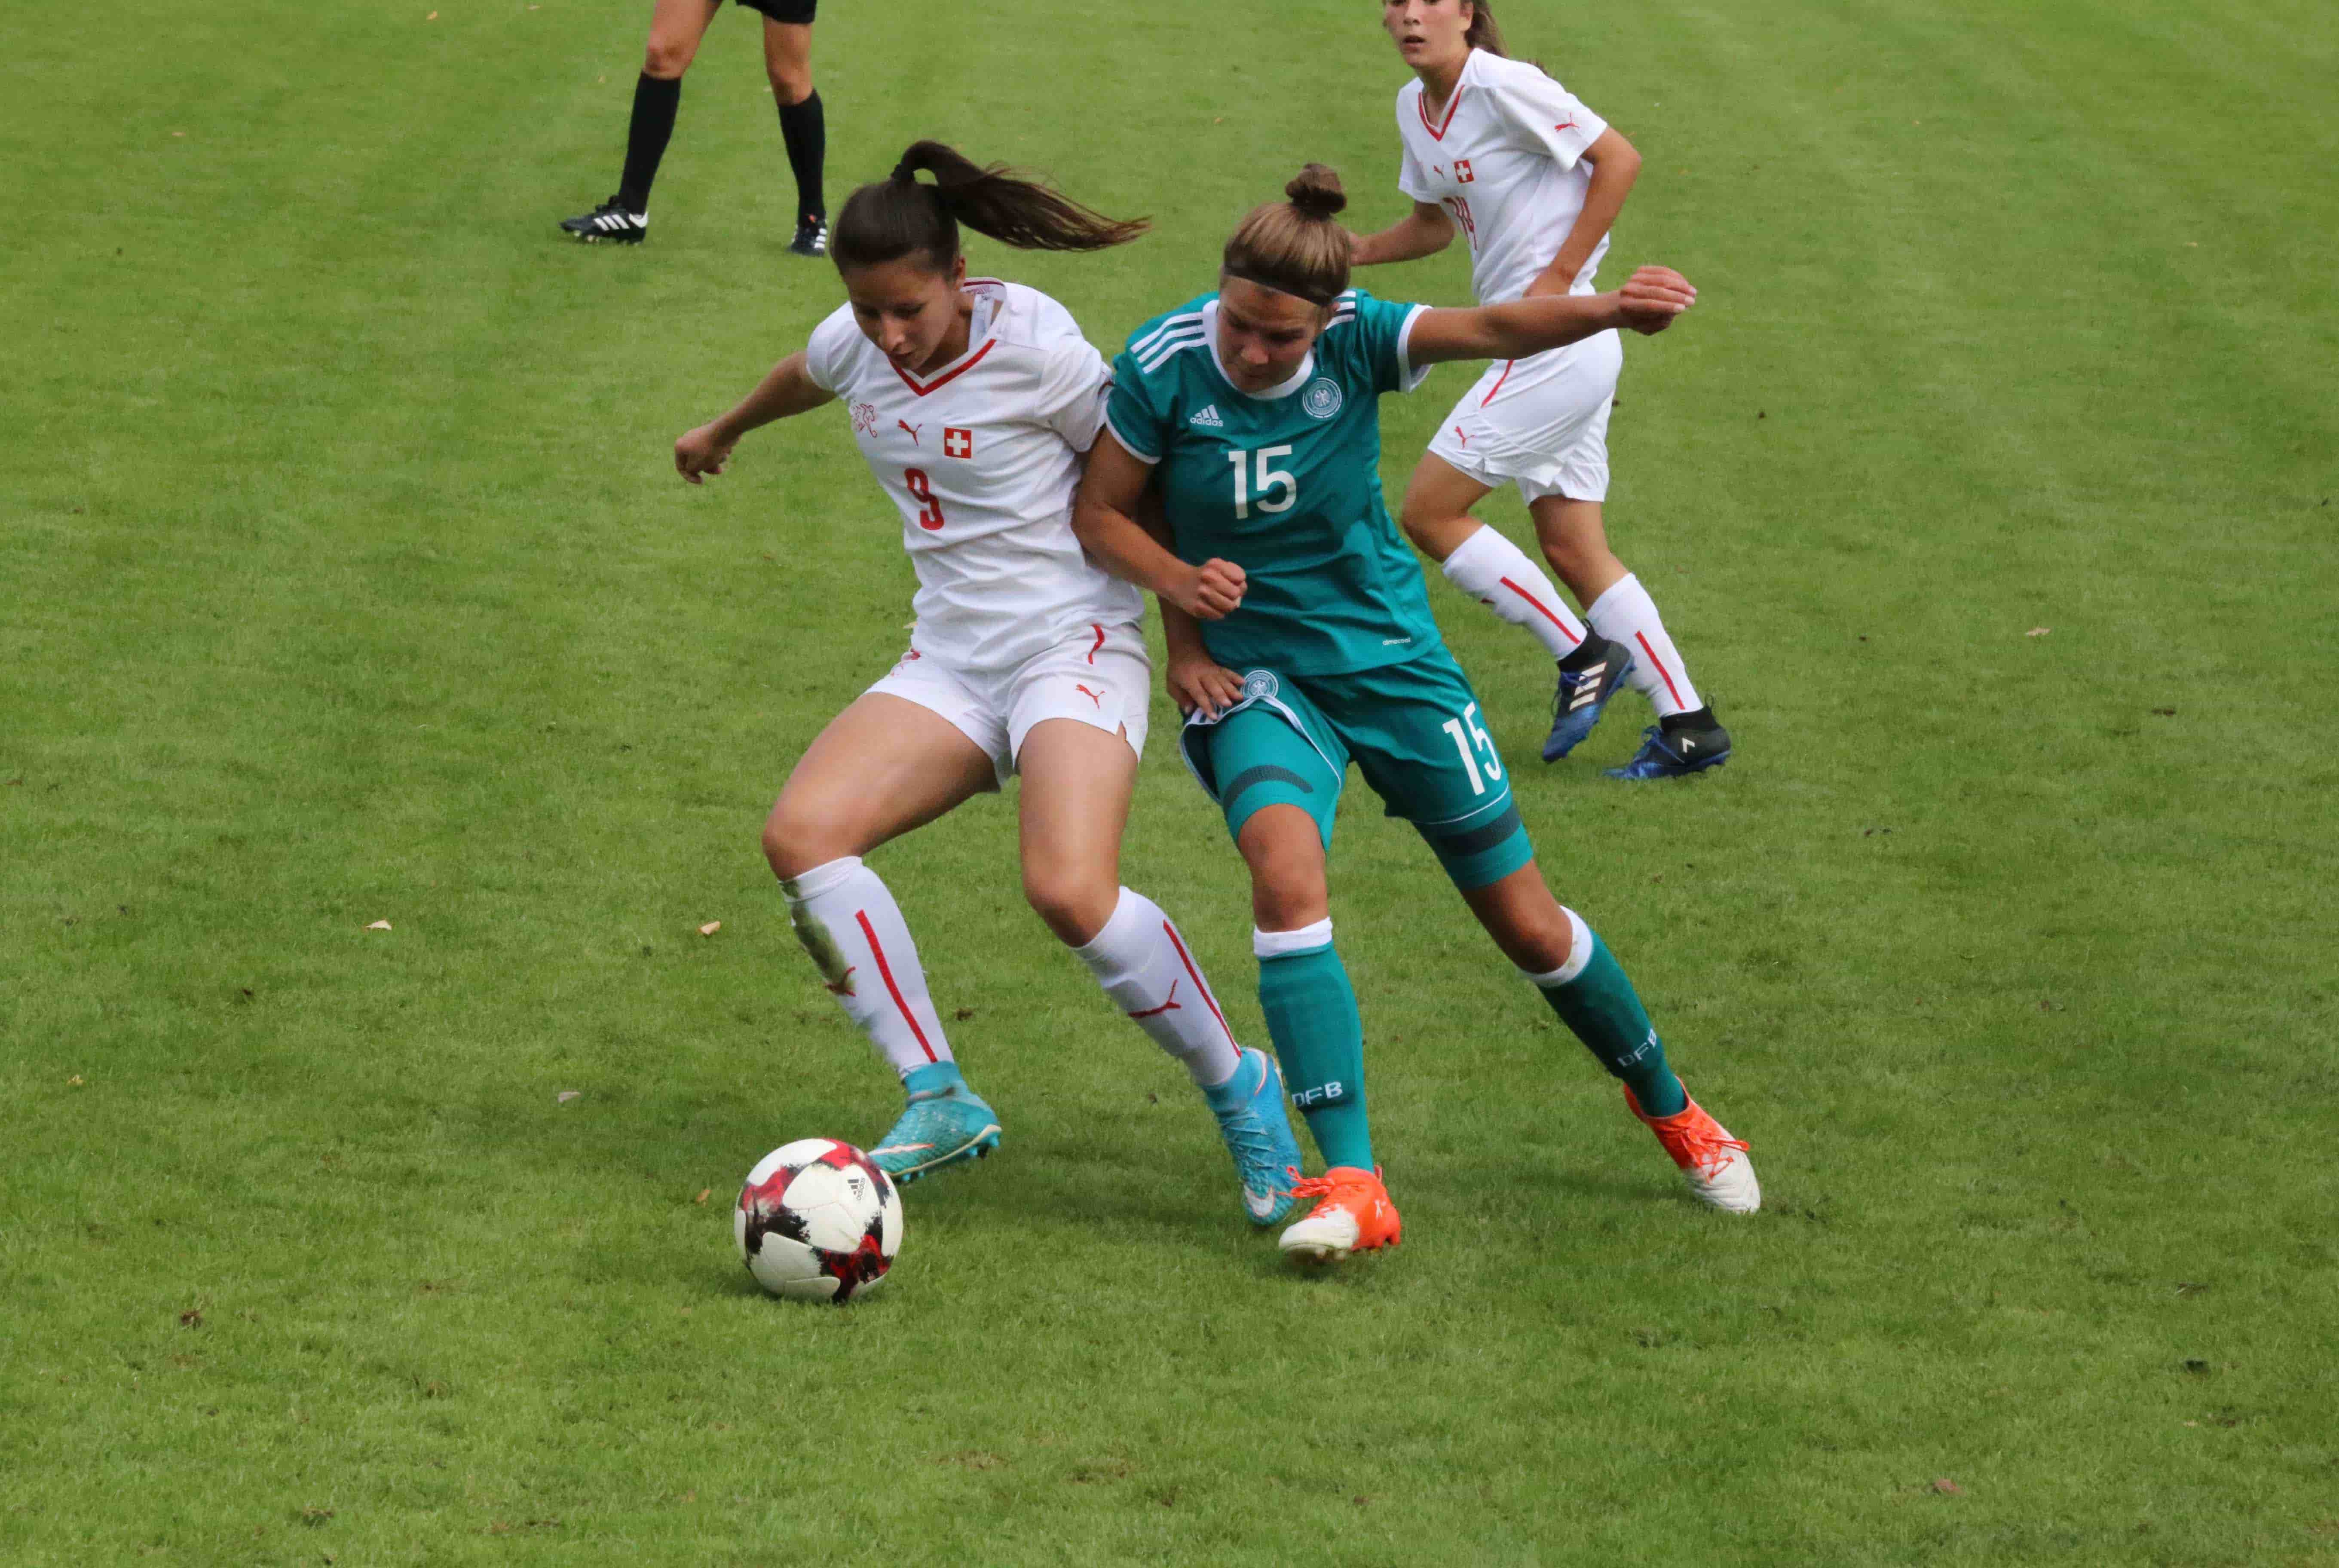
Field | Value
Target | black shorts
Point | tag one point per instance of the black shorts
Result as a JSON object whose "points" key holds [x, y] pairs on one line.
{"points": [[797, 13]]}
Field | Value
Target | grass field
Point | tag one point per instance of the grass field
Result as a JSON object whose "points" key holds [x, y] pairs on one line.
{"points": [[1988, 492]]}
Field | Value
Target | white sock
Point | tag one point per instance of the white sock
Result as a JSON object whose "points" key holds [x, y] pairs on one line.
{"points": [[850, 924], [1144, 965], [1625, 614], [1497, 574]]}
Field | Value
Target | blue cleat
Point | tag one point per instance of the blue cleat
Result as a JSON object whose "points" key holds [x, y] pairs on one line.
{"points": [[943, 1123], [1250, 1108], [1583, 696], [1676, 753]]}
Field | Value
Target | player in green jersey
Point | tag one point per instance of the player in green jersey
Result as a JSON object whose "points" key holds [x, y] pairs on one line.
{"points": [[1300, 640]]}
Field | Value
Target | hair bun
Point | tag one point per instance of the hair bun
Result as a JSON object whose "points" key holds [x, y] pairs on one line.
{"points": [[1317, 193]]}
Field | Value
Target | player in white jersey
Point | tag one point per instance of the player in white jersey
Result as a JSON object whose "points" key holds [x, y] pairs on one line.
{"points": [[1534, 180], [974, 402]]}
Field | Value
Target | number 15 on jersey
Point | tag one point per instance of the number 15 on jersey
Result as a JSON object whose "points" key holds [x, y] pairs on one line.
{"points": [[1270, 478]]}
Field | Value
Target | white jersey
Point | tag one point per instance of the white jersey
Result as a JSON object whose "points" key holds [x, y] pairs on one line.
{"points": [[1505, 158], [983, 456]]}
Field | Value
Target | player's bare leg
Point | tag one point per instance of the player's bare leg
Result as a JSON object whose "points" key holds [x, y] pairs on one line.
{"points": [[1311, 1012], [1688, 738], [1482, 563], [1587, 988], [1078, 782], [803, 126], [882, 767]]}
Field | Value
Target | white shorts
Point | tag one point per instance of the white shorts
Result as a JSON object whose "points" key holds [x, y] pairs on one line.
{"points": [[1101, 677], [1541, 424]]}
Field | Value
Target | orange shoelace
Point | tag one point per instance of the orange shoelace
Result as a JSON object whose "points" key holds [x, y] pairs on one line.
{"points": [[1701, 1143], [1322, 1186]]}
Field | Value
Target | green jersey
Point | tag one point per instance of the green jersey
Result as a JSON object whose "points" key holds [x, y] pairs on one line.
{"points": [[1286, 484]]}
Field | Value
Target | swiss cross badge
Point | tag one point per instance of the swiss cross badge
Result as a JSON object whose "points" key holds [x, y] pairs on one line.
{"points": [[865, 419], [1462, 174], [956, 442]]}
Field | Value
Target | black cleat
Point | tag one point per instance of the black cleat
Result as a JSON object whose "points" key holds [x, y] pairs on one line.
{"points": [[1675, 753], [609, 222], [1584, 694], [811, 238]]}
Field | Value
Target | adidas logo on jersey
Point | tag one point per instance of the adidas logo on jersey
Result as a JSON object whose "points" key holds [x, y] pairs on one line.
{"points": [[1208, 418]]}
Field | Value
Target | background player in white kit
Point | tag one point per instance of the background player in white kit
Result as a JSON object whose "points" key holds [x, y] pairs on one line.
{"points": [[974, 402], [1534, 179]]}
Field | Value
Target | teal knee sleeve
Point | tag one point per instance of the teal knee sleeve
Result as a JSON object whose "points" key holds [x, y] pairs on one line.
{"points": [[1603, 1011], [1482, 851], [1311, 1016]]}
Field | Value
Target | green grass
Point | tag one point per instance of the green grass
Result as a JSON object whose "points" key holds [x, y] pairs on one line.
{"points": [[345, 580]]}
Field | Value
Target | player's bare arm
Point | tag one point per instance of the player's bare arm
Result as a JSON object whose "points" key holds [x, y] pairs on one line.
{"points": [[1520, 328], [1423, 233], [786, 390], [1616, 164], [1191, 676], [1105, 519]]}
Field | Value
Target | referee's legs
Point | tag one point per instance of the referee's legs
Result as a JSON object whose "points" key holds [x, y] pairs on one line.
{"points": [[787, 59]]}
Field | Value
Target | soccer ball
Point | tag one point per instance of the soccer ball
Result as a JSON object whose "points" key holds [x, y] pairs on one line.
{"points": [[818, 1221]]}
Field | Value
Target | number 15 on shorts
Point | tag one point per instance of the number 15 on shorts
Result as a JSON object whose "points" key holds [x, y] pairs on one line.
{"points": [[1470, 743]]}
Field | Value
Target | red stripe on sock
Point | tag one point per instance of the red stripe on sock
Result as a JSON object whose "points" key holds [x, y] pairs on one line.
{"points": [[1642, 639], [886, 970], [1183, 957], [1539, 605]]}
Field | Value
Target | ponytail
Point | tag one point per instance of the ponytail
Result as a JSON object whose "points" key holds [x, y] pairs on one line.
{"points": [[1294, 246], [901, 214]]}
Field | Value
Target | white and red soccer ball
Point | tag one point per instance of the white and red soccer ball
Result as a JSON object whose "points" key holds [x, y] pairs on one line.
{"points": [[818, 1221]]}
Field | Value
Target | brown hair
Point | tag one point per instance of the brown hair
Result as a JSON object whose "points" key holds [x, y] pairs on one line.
{"points": [[1294, 246], [900, 214], [1483, 32]]}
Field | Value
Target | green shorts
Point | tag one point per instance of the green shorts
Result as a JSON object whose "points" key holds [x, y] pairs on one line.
{"points": [[1412, 729]]}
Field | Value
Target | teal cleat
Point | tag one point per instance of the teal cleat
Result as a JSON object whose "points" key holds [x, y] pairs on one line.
{"points": [[1250, 1108], [943, 1123]]}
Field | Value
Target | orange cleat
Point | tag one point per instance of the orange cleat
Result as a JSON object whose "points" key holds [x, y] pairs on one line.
{"points": [[1716, 1164], [1352, 1214]]}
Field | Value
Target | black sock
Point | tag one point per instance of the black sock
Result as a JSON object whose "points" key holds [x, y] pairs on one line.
{"points": [[805, 131], [655, 98], [1695, 719]]}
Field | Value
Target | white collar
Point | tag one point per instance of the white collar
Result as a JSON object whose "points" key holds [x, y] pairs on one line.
{"points": [[1299, 376]]}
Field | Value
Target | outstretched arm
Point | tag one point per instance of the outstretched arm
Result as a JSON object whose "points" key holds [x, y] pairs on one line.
{"points": [[1647, 304], [787, 390], [1425, 233], [1616, 164], [1104, 518]]}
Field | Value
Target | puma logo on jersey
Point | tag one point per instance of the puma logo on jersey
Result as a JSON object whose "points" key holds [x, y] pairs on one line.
{"points": [[1570, 126], [843, 984], [1461, 435], [913, 429], [1208, 418], [1172, 1005], [1090, 695], [957, 442]]}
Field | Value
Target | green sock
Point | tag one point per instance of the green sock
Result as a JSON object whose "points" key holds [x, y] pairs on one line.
{"points": [[1601, 1006], [1311, 1016]]}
